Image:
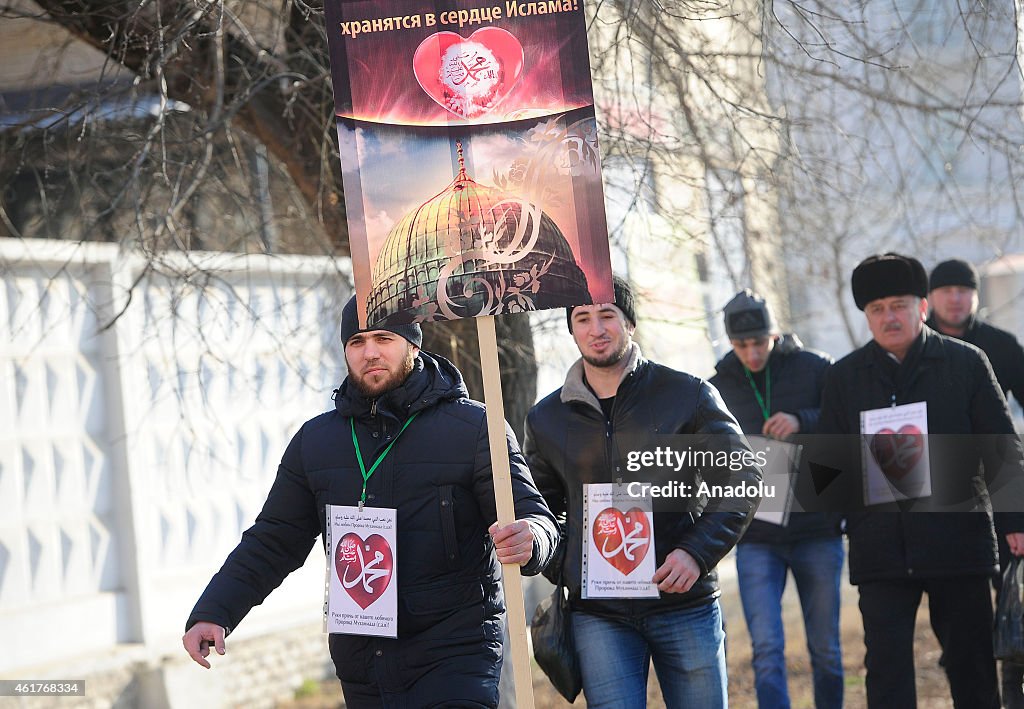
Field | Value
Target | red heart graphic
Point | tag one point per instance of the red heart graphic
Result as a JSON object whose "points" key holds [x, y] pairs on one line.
{"points": [[364, 567], [469, 77], [897, 452], [622, 539]]}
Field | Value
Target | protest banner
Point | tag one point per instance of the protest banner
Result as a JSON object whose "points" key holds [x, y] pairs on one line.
{"points": [[472, 179]]}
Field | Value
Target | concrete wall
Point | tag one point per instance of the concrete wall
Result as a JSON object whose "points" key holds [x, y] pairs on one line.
{"points": [[145, 406]]}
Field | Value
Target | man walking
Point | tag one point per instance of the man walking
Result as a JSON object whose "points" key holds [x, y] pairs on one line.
{"points": [[772, 385], [403, 436], [611, 397], [953, 296], [896, 556]]}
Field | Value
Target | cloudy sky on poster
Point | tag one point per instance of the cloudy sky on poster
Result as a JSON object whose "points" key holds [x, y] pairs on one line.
{"points": [[410, 163]]}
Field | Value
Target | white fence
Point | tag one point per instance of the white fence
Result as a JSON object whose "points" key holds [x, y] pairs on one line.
{"points": [[144, 404]]}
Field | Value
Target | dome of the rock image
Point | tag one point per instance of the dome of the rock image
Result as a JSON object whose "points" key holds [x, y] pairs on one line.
{"points": [[471, 241]]}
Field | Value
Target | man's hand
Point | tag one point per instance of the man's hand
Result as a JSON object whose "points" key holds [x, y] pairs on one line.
{"points": [[199, 638], [1016, 542], [678, 574], [513, 542], [781, 426]]}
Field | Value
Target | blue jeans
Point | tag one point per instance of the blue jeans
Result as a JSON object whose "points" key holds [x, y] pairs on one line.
{"points": [[817, 566], [687, 645]]}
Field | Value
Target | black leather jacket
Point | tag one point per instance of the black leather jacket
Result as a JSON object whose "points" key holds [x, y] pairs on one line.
{"points": [[569, 442]]}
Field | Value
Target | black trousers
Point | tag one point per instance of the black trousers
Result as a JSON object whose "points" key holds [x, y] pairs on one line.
{"points": [[961, 617]]}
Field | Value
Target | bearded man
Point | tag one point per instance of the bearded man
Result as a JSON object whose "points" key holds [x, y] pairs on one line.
{"points": [[577, 435], [403, 436]]}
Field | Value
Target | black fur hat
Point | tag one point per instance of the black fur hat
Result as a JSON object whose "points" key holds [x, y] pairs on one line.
{"points": [[886, 275]]}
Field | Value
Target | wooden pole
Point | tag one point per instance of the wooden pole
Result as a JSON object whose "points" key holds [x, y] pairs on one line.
{"points": [[513, 580]]}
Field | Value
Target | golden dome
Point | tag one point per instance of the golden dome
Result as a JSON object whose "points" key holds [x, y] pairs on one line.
{"points": [[473, 250]]}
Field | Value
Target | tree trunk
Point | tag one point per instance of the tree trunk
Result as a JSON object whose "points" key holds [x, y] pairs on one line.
{"points": [[456, 340]]}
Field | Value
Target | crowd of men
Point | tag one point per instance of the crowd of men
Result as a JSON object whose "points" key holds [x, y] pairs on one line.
{"points": [[408, 411]]}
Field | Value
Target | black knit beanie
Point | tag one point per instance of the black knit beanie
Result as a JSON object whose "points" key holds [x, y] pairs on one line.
{"points": [[954, 272], [623, 301], [350, 326]]}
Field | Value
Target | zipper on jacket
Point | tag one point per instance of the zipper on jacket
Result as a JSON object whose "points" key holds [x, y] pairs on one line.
{"points": [[377, 424], [609, 430], [451, 539], [608, 448]]}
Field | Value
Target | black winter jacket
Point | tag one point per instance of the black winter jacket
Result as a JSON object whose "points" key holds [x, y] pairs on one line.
{"points": [[568, 443], [1004, 352], [438, 477], [963, 397], [797, 377]]}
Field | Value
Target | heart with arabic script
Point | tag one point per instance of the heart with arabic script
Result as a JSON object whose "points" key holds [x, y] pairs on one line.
{"points": [[622, 539], [469, 77], [364, 567], [897, 452]]}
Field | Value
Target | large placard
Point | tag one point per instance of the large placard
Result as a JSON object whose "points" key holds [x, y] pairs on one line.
{"points": [[469, 156]]}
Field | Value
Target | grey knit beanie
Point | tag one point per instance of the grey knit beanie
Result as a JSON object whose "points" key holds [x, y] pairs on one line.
{"points": [[748, 315]]}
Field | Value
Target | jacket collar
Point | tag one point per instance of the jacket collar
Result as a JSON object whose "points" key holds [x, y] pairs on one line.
{"points": [[576, 390], [931, 346], [929, 342], [969, 330], [730, 364], [433, 379]]}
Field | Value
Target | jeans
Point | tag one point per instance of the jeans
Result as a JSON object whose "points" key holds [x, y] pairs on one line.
{"points": [[816, 565], [687, 646]]}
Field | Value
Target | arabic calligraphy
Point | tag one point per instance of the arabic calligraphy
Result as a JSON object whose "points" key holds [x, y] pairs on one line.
{"points": [[898, 452], [473, 65], [479, 69], [623, 539], [364, 567], [469, 77], [367, 573], [629, 541]]}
